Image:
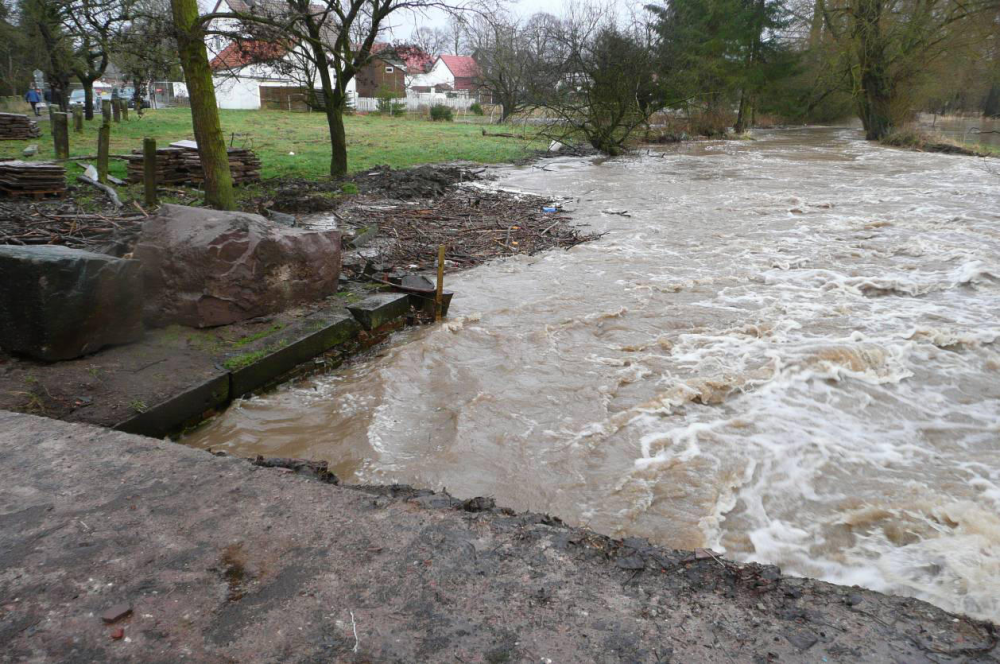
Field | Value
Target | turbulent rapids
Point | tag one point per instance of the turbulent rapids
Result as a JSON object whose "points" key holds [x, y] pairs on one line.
{"points": [[784, 349]]}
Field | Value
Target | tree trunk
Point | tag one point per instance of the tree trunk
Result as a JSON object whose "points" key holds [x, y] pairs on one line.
{"points": [[338, 136], [991, 107], [334, 101], [875, 97], [204, 110], [744, 118], [88, 99]]}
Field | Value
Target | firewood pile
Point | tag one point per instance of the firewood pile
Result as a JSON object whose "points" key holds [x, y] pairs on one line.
{"points": [[180, 164], [17, 127], [32, 178]]}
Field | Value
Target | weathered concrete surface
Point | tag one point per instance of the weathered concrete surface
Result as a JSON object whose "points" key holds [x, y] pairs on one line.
{"points": [[58, 303], [220, 560]]}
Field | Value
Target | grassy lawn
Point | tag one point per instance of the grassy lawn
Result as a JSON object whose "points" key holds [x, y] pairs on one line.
{"points": [[274, 135]]}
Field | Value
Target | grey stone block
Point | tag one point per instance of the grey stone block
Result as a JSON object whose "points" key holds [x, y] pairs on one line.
{"points": [[58, 303], [375, 311]]}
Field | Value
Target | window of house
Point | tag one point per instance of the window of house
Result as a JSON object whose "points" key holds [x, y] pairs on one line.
{"points": [[388, 69]]}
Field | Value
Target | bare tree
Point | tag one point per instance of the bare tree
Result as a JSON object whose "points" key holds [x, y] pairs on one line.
{"points": [[457, 34], [433, 41], [337, 37], [514, 59], [607, 85], [92, 26], [145, 50]]}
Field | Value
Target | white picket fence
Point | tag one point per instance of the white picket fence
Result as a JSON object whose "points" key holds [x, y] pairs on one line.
{"points": [[416, 102]]}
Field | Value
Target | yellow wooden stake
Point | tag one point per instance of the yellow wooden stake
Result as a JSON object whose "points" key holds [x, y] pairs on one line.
{"points": [[439, 296]]}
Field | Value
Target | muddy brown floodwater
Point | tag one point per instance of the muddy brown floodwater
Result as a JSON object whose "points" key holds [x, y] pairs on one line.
{"points": [[783, 349]]}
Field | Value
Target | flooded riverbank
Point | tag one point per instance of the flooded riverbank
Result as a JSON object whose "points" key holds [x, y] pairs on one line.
{"points": [[782, 349]]}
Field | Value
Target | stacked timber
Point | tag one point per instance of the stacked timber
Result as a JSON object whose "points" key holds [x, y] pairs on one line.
{"points": [[170, 166], [180, 164], [243, 164], [17, 127], [32, 178]]}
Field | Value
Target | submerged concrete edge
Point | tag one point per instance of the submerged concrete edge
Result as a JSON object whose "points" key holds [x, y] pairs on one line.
{"points": [[198, 402]]}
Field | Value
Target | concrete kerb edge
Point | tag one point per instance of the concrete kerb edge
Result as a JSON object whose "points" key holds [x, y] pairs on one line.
{"points": [[194, 404]]}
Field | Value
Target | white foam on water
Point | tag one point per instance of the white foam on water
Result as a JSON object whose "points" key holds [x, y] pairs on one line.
{"points": [[789, 352]]}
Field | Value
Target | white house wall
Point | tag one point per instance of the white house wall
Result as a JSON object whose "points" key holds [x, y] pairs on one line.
{"points": [[438, 74], [241, 90]]}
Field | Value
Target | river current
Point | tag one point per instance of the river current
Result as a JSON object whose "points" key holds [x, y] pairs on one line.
{"points": [[784, 349]]}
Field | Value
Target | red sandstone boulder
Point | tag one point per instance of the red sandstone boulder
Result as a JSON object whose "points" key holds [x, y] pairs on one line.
{"points": [[204, 267]]}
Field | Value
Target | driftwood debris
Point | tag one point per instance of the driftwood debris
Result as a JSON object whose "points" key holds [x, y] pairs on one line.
{"points": [[475, 226], [111, 193]]}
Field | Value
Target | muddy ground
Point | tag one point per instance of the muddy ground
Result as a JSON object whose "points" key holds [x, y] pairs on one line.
{"points": [[120, 548]]}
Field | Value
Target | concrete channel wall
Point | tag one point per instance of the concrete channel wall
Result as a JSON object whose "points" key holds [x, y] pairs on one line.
{"points": [[371, 318]]}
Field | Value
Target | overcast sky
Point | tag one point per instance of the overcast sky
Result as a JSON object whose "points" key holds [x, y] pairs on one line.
{"points": [[403, 26]]}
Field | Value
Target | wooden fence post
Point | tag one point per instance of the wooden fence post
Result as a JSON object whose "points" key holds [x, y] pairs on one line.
{"points": [[60, 135], [103, 148], [78, 119], [116, 110], [149, 169], [125, 110], [106, 110]]}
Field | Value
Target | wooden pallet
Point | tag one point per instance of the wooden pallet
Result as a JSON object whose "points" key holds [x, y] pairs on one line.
{"points": [[36, 194]]}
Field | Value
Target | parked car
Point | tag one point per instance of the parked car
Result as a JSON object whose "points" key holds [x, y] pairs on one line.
{"points": [[129, 94], [78, 97]]}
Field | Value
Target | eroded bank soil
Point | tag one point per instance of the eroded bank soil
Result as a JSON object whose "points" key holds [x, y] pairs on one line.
{"points": [[192, 556]]}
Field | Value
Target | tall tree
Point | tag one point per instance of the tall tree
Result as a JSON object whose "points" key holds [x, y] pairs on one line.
{"points": [[43, 22], [888, 45], [515, 59], [190, 35]]}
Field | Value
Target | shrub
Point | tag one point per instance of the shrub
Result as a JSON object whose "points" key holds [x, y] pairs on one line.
{"points": [[440, 112], [476, 109]]}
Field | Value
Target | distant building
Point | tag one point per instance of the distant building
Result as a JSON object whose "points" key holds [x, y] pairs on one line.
{"points": [[450, 73]]}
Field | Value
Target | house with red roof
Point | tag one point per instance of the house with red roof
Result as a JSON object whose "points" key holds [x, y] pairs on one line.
{"points": [[250, 74], [449, 73]]}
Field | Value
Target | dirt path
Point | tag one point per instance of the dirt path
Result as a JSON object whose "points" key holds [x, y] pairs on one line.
{"points": [[214, 559]]}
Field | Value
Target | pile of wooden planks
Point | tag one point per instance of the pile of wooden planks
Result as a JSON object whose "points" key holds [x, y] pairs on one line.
{"points": [[17, 127], [32, 178], [170, 166], [243, 164], [180, 164]]}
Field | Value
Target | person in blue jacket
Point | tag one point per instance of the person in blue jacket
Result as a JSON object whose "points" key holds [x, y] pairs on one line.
{"points": [[33, 97]]}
